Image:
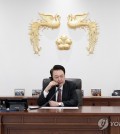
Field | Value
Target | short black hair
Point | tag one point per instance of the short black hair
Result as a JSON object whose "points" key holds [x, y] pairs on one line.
{"points": [[57, 67]]}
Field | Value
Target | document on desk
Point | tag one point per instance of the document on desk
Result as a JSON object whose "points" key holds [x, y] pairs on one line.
{"points": [[33, 107], [59, 108]]}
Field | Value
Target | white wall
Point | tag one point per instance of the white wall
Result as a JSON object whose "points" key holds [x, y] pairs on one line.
{"points": [[20, 68]]}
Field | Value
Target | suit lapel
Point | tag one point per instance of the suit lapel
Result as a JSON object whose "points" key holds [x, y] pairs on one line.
{"points": [[64, 93], [52, 92]]}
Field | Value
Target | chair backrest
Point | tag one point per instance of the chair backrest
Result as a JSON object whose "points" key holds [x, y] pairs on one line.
{"points": [[78, 83]]}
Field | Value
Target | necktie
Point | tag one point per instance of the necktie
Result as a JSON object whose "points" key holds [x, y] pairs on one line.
{"points": [[59, 97]]}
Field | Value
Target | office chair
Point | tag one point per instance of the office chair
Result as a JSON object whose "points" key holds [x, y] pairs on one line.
{"points": [[78, 83]]}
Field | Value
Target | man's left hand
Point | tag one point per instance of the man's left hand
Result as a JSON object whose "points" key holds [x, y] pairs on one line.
{"points": [[53, 104]]}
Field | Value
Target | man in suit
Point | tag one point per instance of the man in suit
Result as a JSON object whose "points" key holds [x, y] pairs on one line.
{"points": [[59, 92]]}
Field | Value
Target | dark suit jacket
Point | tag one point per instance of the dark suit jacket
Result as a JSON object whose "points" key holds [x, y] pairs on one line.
{"points": [[69, 96]]}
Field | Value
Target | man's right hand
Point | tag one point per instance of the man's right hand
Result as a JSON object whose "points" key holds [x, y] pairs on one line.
{"points": [[50, 85]]}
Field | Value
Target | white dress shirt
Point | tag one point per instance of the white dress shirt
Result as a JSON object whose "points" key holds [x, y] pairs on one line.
{"points": [[46, 93]]}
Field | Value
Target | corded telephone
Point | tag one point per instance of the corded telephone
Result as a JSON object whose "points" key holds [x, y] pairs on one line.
{"points": [[13, 105], [16, 104]]}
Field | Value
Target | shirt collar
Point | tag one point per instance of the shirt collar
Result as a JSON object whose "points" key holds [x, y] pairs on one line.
{"points": [[60, 87]]}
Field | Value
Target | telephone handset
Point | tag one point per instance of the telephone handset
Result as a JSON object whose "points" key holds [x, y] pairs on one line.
{"points": [[51, 79], [57, 85]]}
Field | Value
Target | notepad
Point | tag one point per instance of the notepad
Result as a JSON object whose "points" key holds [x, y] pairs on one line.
{"points": [[33, 107], [59, 108]]}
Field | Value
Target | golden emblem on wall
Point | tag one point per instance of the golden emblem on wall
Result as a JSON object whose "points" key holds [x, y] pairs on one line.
{"points": [[63, 43], [81, 21], [46, 21]]}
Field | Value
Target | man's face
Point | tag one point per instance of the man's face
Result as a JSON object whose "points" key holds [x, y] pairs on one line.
{"points": [[59, 77]]}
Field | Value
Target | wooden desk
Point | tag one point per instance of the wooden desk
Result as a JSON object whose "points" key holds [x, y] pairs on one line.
{"points": [[61, 121]]}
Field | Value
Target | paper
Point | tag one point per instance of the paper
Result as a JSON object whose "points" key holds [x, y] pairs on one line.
{"points": [[33, 107], [59, 108]]}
